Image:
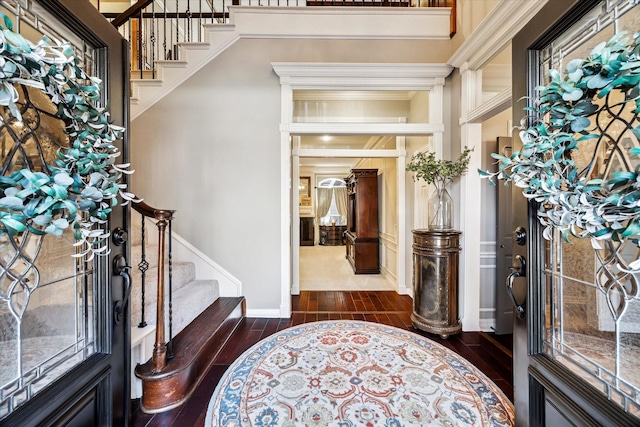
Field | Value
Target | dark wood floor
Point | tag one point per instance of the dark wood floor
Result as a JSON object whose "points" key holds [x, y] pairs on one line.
{"points": [[490, 353]]}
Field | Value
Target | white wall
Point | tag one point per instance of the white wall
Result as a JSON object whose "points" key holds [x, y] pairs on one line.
{"points": [[211, 148]]}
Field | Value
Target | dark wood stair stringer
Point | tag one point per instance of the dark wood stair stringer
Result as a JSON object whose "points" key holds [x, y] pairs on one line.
{"points": [[195, 348]]}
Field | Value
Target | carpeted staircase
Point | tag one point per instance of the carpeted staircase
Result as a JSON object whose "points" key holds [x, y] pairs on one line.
{"points": [[201, 322], [190, 296]]}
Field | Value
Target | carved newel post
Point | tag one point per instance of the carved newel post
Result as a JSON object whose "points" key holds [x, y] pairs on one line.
{"points": [[435, 281]]}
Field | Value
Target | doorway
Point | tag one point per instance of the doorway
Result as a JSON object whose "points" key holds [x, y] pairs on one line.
{"points": [[422, 113], [323, 263]]}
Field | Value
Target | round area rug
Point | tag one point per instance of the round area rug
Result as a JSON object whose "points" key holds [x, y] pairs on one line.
{"points": [[352, 373]]}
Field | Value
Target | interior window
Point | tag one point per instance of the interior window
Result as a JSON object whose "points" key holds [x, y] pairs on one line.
{"points": [[333, 216]]}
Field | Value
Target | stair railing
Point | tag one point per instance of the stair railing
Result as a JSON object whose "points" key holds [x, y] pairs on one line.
{"points": [[155, 29], [162, 350]]}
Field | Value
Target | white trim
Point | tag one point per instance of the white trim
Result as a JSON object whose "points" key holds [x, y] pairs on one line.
{"points": [[364, 74], [495, 32], [311, 119], [471, 93], [295, 217], [142, 340], [289, 210], [348, 95], [350, 77], [346, 153], [363, 128], [400, 243], [471, 135], [206, 268], [495, 105], [265, 312]]}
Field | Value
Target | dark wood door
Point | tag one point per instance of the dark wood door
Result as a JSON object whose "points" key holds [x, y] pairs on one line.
{"points": [[570, 366], [65, 359], [504, 306]]}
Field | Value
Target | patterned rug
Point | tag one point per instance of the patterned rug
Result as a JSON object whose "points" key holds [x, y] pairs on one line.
{"points": [[351, 373]]}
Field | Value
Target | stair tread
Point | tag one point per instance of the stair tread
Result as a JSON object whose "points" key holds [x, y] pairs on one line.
{"points": [[195, 45], [188, 301], [192, 340]]}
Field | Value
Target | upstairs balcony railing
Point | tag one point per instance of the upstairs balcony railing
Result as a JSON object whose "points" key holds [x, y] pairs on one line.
{"points": [[156, 28]]}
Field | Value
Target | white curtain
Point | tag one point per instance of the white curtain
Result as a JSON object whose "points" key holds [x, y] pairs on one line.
{"points": [[324, 202], [341, 201]]}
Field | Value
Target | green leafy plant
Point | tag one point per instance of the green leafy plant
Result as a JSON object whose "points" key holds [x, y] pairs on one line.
{"points": [[438, 172], [595, 99], [82, 187]]}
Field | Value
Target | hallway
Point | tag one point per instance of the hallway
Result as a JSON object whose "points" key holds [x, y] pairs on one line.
{"points": [[325, 268]]}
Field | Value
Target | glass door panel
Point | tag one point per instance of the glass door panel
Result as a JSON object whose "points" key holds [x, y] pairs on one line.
{"points": [[48, 318], [592, 315]]}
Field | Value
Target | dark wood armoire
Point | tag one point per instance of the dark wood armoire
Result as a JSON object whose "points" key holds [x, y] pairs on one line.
{"points": [[362, 240]]}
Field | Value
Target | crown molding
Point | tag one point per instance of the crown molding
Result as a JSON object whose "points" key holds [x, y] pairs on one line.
{"points": [[361, 76], [349, 95], [495, 32]]}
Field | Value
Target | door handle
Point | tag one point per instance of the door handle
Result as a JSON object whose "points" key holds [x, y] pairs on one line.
{"points": [[120, 268], [517, 271]]}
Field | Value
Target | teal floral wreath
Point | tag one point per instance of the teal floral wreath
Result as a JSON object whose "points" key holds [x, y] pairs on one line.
{"points": [[581, 201], [82, 187]]}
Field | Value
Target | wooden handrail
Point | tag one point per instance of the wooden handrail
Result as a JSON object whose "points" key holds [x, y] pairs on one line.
{"points": [[130, 12], [151, 212], [163, 219]]}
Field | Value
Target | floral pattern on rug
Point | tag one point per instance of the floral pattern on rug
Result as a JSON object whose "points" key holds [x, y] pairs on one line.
{"points": [[352, 373]]}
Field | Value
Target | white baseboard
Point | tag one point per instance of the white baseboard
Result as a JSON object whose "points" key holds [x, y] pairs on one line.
{"points": [[263, 312], [206, 268], [142, 341], [405, 290], [487, 325]]}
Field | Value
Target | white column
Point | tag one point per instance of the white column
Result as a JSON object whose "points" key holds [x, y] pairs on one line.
{"points": [[470, 136], [295, 217], [285, 199], [436, 115], [470, 225], [404, 287]]}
